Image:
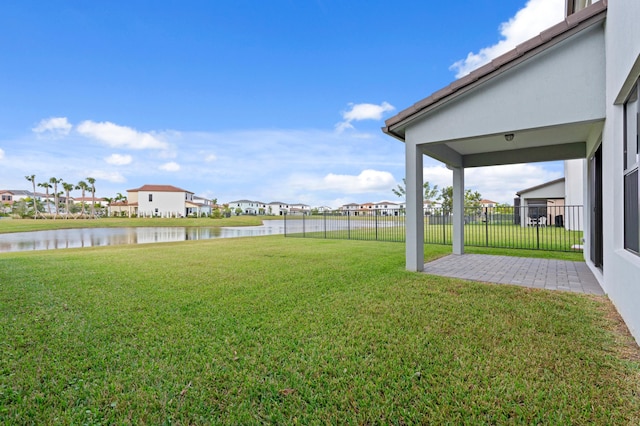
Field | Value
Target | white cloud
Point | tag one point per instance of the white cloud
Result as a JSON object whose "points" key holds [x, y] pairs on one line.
{"points": [[535, 17], [1, 154], [210, 158], [54, 126], [500, 183], [119, 159], [366, 181], [114, 177], [117, 136], [359, 112], [171, 166]]}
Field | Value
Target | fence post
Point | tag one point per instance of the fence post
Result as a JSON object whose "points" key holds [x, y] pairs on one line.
{"points": [[486, 227], [538, 228], [324, 215], [348, 225], [285, 224], [303, 228], [376, 219], [444, 229]]}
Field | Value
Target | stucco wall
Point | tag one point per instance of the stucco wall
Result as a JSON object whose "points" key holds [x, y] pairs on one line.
{"points": [[498, 106], [167, 203], [621, 270]]}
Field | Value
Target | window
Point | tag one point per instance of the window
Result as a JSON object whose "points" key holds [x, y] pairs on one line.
{"points": [[631, 199], [150, 197]]}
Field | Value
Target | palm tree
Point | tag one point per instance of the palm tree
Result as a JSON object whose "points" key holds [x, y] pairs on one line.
{"points": [[46, 186], [109, 201], [67, 188], [55, 182], [32, 179], [92, 182], [82, 185]]}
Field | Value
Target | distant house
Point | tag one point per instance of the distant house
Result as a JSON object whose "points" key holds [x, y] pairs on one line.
{"points": [[87, 201], [278, 208], [324, 209], [380, 208], [249, 206], [351, 208], [488, 204], [10, 196], [559, 200], [300, 209], [160, 201], [199, 206]]}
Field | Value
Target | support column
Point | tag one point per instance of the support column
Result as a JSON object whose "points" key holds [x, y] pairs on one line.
{"points": [[458, 210], [414, 221]]}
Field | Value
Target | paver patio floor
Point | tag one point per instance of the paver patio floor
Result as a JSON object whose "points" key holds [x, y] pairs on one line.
{"points": [[548, 274]]}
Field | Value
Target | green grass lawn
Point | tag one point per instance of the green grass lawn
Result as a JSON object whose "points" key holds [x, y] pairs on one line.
{"points": [[284, 331]]}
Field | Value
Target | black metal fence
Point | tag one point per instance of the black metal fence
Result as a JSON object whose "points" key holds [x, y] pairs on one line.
{"points": [[540, 227]]}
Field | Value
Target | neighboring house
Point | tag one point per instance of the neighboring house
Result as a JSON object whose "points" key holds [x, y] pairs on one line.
{"points": [[277, 208], [302, 209], [324, 209], [559, 200], [10, 196], [159, 201], [351, 208], [541, 201], [87, 201], [488, 204], [247, 206], [570, 92], [381, 208], [199, 206]]}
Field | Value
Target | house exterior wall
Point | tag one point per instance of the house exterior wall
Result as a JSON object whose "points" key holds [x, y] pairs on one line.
{"points": [[166, 203], [495, 108], [621, 269], [574, 178], [555, 190]]}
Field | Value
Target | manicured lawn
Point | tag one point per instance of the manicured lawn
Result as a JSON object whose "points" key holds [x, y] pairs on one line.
{"points": [[284, 331]]}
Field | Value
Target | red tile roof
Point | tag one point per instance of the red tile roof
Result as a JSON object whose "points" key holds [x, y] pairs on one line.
{"points": [[159, 188]]}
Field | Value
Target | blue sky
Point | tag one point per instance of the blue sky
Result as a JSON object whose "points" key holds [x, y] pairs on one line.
{"points": [[265, 100]]}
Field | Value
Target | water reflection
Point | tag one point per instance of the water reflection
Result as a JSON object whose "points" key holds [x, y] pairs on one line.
{"points": [[94, 237]]}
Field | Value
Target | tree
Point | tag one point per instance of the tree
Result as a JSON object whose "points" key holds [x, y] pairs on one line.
{"points": [[82, 186], [108, 201], [471, 199], [238, 211], [92, 182], [67, 188], [32, 179], [46, 186], [429, 192], [55, 182]]}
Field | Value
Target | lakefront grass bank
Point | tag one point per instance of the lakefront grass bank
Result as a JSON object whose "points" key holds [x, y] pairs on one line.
{"points": [[25, 225], [275, 330]]}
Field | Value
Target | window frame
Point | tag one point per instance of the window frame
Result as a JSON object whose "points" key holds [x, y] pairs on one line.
{"points": [[631, 172]]}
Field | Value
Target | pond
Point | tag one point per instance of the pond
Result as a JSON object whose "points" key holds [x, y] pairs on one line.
{"points": [[93, 237]]}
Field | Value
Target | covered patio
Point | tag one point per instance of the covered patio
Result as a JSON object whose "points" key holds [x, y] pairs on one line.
{"points": [[542, 101]]}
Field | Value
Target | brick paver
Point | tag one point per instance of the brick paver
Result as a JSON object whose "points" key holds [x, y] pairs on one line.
{"points": [[549, 274]]}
